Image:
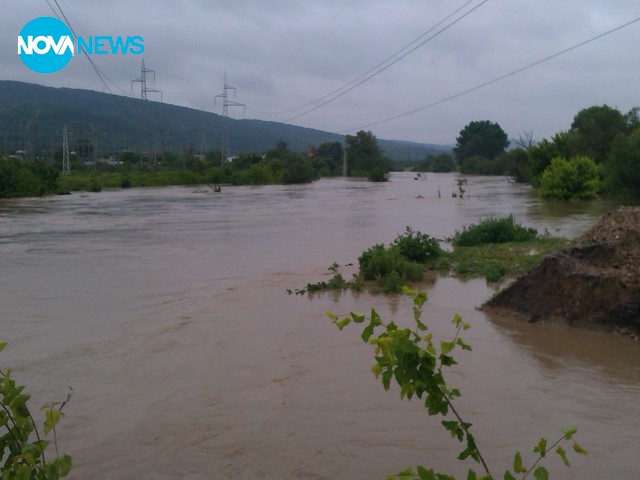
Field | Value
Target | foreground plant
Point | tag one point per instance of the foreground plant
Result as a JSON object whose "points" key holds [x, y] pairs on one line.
{"points": [[22, 447], [412, 358]]}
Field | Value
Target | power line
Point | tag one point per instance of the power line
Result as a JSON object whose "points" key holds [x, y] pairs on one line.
{"points": [[369, 77], [389, 61], [497, 79]]}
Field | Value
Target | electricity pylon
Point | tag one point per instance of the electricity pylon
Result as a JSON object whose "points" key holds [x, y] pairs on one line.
{"points": [[226, 103], [144, 91]]}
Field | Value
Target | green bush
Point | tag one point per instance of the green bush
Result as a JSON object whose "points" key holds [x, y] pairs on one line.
{"points": [[493, 230], [576, 178], [417, 247], [378, 262]]}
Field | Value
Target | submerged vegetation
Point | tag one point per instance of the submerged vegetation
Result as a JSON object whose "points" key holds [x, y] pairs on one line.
{"points": [[494, 248]]}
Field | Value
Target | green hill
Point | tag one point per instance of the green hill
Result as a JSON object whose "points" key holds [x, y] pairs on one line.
{"points": [[32, 118]]}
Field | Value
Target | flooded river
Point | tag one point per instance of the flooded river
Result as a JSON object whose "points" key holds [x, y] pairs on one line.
{"points": [[166, 312]]}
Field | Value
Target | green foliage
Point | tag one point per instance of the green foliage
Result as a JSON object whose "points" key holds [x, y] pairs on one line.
{"points": [[26, 178], [595, 129], [622, 172], [386, 265], [416, 246], [576, 178], [518, 167], [497, 261], [494, 230], [417, 363], [365, 155], [336, 282], [442, 163], [22, 447], [377, 174], [479, 165], [479, 141], [403, 261]]}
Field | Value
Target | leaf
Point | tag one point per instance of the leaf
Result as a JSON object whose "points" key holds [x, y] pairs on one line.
{"points": [[472, 475], [457, 319], [357, 317], [517, 464], [407, 291], [367, 332], [463, 344], [420, 299], [375, 318], [541, 448], [421, 326], [343, 323], [446, 347], [560, 451], [508, 476], [425, 474], [541, 473], [578, 449], [2, 345], [570, 433], [331, 315], [406, 474], [53, 417]]}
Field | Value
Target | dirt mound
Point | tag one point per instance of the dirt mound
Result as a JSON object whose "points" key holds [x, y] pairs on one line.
{"points": [[594, 284]]}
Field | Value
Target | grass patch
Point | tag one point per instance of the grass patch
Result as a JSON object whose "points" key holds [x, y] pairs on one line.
{"points": [[497, 261], [494, 249], [494, 230]]}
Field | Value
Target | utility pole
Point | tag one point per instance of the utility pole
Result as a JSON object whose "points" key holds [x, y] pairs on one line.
{"points": [[226, 103], [65, 150], [144, 90], [344, 163]]}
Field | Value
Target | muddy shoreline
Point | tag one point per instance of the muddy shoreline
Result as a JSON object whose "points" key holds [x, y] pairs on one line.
{"points": [[594, 284]]}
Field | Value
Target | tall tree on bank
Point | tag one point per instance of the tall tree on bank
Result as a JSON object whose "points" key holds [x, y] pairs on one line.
{"points": [[365, 157], [480, 140], [594, 130]]}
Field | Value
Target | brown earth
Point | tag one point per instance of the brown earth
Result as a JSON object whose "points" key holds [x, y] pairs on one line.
{"points": [[593, 284]]}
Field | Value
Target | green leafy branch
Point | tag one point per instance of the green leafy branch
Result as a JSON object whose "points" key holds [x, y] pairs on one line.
{"points": [[22, 448], [410, 356]]}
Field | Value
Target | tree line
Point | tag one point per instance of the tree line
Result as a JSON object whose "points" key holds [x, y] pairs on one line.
{"points": [[598, 155], [280, 165]]}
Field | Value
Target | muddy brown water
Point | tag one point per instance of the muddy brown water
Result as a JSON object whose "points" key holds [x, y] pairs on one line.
{"points": [[165, 310]]}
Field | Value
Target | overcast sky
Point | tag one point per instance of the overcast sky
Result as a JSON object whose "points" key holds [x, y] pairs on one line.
{"points": [[284, 54]]}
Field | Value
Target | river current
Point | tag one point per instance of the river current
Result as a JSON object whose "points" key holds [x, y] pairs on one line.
{"points": [[165, 310]]}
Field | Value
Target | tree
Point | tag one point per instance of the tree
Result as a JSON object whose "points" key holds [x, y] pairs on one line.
{"points": [[518, 165], [595, 129], [364, 154], [328, 159], [480, 139], [570, 179], [622, 169], [442, 162]]}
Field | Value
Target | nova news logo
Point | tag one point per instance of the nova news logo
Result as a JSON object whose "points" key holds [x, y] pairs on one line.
{"points": [[46, 45]]}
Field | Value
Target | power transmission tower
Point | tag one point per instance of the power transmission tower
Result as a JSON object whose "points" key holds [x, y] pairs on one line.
{"points": [[226, 103], [144, 91], [65, 150]]}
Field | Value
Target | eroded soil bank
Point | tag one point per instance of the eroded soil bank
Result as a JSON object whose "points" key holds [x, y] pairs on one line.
{"points": [[593, 284]]}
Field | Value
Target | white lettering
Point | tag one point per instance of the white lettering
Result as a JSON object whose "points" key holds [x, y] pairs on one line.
{"points": [[43, 44]]}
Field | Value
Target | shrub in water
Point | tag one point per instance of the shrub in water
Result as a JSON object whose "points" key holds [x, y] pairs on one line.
{"points": [[416, 246], [494, 230]]}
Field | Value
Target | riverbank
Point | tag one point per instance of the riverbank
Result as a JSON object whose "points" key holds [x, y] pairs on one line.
{"points": [[593, 284]]}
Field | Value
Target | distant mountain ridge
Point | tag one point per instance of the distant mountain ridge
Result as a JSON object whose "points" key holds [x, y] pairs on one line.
{"points": [[32, 117]]}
